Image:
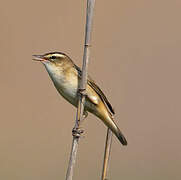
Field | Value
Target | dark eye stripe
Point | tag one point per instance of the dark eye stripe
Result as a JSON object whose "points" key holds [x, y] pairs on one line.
{"points": [[53, 57]]}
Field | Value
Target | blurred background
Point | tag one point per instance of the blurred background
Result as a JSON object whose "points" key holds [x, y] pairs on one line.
{"points": [[136, 60]]}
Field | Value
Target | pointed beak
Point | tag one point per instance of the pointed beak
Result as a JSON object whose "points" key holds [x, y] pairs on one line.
{"points": [[38, 58]]}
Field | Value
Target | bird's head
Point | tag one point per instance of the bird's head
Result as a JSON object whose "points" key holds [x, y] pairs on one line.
{"points": [[55, 62]]}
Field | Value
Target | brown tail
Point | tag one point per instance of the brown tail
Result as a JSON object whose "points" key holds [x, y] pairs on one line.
{"points": [[109, 122], [121, 137]]}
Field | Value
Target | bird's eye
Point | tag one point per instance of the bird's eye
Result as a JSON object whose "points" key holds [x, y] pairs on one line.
{"points": [[53, 57]]}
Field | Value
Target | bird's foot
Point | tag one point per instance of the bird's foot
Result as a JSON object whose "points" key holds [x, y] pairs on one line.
{"points": [[82, 92], [77, 132]]}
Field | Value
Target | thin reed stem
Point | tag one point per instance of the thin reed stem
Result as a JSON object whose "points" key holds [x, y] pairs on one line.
{"points": [[82, 89], [107, 152]]}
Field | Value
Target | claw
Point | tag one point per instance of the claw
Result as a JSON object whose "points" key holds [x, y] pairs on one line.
{"points": [[82, 92], [76, 132]]}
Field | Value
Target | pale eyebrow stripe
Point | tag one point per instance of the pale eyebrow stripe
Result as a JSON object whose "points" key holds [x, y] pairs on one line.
{"points": [[60, 55], [56, 54]]}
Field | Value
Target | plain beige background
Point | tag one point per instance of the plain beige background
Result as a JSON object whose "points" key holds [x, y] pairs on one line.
{"points": [[136, 59]]}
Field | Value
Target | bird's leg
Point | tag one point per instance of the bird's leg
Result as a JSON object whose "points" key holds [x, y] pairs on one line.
{"points": [[77, 131], [82, 92], [84, 117]]}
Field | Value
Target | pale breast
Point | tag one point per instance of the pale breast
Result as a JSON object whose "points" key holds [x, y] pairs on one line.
{"points": [[65, 81]]}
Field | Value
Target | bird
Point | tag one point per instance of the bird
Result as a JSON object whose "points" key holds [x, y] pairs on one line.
{"points": [[66, 76]]}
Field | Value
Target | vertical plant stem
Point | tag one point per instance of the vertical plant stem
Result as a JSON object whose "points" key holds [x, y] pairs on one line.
{"points": [[82, 88], [107, 152]]}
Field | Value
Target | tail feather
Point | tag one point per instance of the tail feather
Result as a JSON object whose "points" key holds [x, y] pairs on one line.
{"points": [[109, 122], [121, 137]]}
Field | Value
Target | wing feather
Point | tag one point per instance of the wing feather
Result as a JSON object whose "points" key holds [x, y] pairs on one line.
{"points": [[96, 88]]}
